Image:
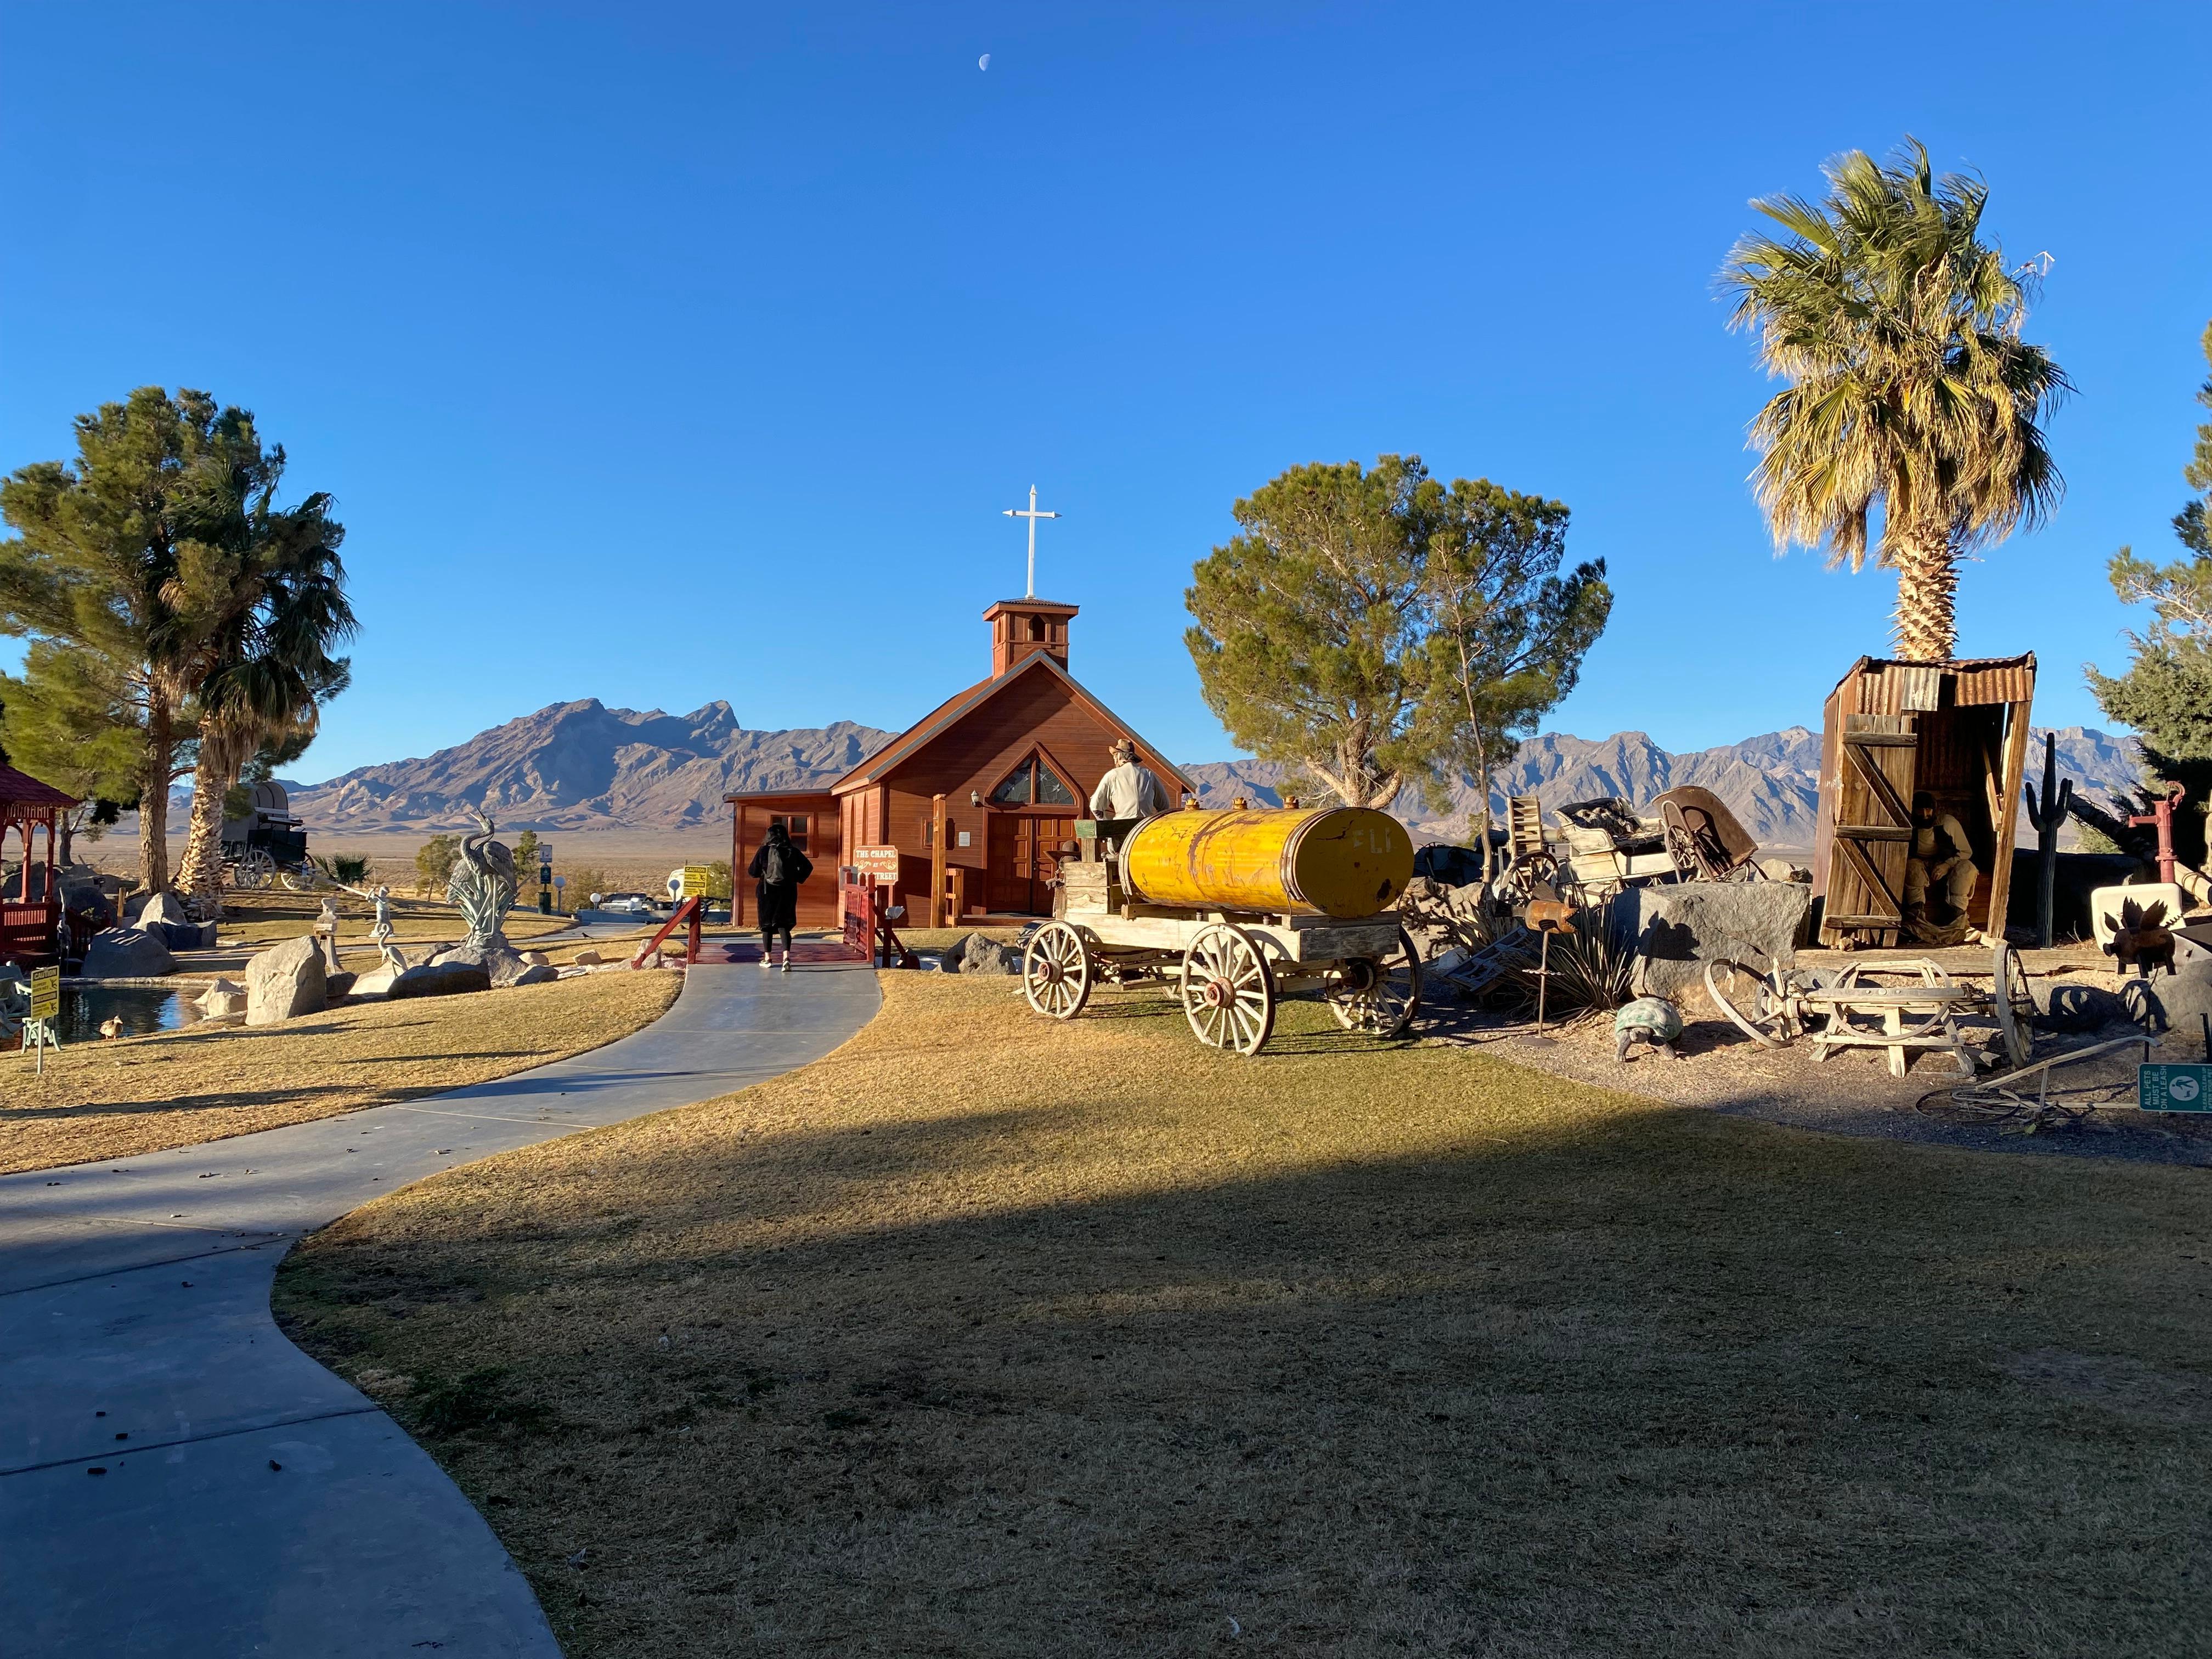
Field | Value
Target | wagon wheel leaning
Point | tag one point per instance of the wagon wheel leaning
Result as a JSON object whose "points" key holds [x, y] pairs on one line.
{"points": [[1228, 992], [2014, 1004], [1760, 1009], [254, 870], [302, 878], [1056, 971], [1682, 847], [1525, 872], [1378, 996]]}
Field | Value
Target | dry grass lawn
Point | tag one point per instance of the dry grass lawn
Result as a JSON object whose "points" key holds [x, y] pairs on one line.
{"points": [[989, 1337], [272, 916], [180, 1088]]}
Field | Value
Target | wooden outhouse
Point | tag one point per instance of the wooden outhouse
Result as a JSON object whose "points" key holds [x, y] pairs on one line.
{"points": [[1957, 729], [31, 908]]}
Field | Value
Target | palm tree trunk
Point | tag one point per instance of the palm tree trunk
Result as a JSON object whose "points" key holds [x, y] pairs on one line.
{"points": [[200, 877], [1927, 564]]}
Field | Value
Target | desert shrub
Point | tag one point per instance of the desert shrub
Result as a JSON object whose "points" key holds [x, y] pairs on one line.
{"points": [[583, 881], [346, 869]]}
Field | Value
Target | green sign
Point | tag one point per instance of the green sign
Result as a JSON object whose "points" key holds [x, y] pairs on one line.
{"points": [[2169, 1088]]}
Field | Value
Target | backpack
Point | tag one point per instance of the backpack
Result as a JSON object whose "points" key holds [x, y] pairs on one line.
{"points": [[773, 869]]}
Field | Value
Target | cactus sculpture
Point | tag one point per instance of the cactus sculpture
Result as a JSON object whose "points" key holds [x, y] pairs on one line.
{"points": [[2057, 795]]}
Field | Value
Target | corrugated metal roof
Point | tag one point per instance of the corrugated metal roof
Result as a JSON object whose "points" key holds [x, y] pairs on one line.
{"points": [[1889, 685]]}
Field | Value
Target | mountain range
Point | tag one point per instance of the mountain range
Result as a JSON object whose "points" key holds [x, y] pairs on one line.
{"points": [[584, 766]]}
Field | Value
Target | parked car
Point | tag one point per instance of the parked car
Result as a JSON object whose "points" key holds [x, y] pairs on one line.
{"points": [[629, 904]]}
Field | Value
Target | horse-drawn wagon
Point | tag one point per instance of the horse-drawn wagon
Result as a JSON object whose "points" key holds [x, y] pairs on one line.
{"points": [[268, 843], [1228, 908]]}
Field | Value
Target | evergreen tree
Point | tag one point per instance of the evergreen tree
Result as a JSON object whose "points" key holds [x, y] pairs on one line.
{"points": [[2166, 694], [111, 565]]}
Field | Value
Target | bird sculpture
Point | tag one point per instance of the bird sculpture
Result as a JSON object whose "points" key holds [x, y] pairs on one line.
{"points": [[482, 885]]}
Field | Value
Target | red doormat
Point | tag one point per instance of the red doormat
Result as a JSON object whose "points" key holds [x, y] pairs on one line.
{"points": [[803, 951]]}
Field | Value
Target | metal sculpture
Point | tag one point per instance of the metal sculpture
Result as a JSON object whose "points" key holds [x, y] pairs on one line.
{"points": [[482, 885], [2058, 797]]}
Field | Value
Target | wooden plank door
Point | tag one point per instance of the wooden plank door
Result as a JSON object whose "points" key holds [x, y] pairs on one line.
{"points": [[1048, 837], [1872, 836], [1006, 869]]}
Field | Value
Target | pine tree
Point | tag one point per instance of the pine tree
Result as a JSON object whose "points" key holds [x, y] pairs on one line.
{"points": [[2166, 694]]}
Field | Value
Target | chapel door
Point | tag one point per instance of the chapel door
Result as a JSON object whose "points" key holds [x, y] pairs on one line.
{"points": [[1020, 864]]}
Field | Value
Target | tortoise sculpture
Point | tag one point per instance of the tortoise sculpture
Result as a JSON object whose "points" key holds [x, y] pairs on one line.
{"points": [[1656, 1020]]}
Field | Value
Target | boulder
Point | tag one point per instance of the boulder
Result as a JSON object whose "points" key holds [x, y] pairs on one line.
{"points": [[166, 908], [587, 957], [286, 981], [537, 958], [223, 999], [339, 984], [1676, 930], [501, 963], [2182, 1003], [439, 979], [978, 955], [127, 953], [538, 973], [375, 984]]}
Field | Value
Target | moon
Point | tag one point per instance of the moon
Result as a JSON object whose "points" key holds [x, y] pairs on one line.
{"points": [[984, 62]]}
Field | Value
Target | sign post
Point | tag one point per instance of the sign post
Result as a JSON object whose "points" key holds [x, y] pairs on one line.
{"points": [[2170, 1087], [42, 1030], [544, 878]]}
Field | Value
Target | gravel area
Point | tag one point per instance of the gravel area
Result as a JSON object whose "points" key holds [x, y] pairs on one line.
{"points": [[1853, 1093]]}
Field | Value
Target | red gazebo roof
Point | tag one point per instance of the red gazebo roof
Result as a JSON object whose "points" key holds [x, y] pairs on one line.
{"points": [[22, 789]]}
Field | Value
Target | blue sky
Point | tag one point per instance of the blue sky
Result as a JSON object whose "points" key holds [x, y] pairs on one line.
{"points": [[662, 354]]}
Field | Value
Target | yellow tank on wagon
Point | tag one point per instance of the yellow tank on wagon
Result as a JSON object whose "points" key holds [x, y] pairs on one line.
{"points": [[1341, 861]]}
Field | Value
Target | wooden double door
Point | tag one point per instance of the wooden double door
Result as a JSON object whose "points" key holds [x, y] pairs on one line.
{"points": [[1019, 864]]}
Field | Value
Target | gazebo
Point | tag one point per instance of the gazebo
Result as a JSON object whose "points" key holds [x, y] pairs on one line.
{"points": [[30, 928]]}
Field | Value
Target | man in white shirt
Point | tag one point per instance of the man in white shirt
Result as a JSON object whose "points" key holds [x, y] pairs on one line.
{"points": [[1129, 791]]}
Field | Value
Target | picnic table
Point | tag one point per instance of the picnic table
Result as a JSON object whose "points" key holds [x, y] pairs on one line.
{"points": [[1855, 1010]]}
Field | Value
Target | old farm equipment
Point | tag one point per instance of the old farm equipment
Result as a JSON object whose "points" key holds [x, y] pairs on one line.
{"points": [[1703, 837], [1228, 908], [1958, 730], [267, 844]]}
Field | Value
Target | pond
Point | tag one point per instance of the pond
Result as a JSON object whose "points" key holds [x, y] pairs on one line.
{"points": [[143, 1009]]}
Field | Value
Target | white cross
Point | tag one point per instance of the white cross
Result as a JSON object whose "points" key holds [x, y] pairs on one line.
{"points": [[1032, 516]]}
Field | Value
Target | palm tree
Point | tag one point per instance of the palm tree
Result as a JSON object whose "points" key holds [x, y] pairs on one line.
{"points": [[1899, 329], [264, 663]]}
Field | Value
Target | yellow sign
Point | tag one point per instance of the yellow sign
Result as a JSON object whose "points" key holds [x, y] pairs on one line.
{"points": [[46, 993], [698, 881], [877, 863]]}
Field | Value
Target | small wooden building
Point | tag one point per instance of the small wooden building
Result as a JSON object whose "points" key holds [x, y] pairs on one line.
{"points": [[1014, 758], [1957, 729], [31, 911]]}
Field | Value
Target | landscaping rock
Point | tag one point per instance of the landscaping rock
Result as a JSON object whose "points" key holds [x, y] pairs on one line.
{"points": [[165, 908], [2184, 999], [537, 958], [538, 973], [502, 963], [127, 953], [978, 955], [375, 984], [2078, 1008], [339, 984], [222, 1000], [587, 957], [285, 982], [1677, 930], [439, 979]]}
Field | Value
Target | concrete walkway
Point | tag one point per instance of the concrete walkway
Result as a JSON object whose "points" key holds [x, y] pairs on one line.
{"points": [[176, 1479]]}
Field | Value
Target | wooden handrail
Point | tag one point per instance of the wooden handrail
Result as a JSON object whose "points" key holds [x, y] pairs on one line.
{"points": [[688, 911]]}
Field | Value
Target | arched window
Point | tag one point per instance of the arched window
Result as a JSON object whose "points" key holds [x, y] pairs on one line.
{"points": [[1033, 783]]}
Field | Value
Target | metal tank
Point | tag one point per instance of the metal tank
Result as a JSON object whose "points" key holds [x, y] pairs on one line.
{"points": [[1322, 861]]}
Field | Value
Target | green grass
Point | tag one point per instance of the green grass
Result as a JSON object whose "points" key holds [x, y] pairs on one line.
{"points": [[988, 1336]]}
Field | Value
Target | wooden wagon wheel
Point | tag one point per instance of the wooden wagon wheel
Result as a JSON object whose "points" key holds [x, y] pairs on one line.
{"points": [[302, 878], [2014, 1004], [1528, 870], [255, 869], [1760, 1009], [1228, 992], [1683, 849], [1378, 996], [1056, 971]]}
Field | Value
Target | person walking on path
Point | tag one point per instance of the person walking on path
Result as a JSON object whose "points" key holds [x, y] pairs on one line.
{"points": [[777, 869]]}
